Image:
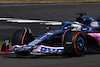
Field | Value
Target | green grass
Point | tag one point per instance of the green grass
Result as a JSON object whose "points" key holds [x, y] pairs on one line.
{"points": [[1, 43]]}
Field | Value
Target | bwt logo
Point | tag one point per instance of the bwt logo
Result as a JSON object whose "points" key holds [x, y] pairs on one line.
{"points": [[50, 50]]}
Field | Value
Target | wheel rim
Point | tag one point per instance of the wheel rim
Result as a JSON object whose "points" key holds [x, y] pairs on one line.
{"points": [[80, 43]]}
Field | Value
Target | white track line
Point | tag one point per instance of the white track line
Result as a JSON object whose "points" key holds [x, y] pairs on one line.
{"points": [[30, 21]]}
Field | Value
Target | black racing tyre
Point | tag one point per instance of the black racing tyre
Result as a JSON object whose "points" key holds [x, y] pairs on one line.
{"points": [[21, 37], [74, 43]]}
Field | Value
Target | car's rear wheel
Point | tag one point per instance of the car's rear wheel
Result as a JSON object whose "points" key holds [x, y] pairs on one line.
{"points": [[21, 37], [74, 43]]}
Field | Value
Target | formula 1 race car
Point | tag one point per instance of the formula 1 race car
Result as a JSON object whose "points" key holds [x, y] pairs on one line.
{"points": [[74, 38]]}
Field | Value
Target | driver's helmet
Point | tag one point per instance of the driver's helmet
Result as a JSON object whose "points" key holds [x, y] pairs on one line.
{"points": [[76, 27]]}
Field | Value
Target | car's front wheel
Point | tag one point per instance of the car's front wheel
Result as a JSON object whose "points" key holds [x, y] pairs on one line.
{"points": [[21, 37]]}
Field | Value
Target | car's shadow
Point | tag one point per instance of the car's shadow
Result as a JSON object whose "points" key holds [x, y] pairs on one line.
{"points": [[52, 56]]}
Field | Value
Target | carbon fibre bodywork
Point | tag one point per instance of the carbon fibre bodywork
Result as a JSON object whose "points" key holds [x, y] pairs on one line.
{"points": [[52, 41], [78, 35]]}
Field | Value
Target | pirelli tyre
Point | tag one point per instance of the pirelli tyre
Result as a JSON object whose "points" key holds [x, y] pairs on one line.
{"points": [[74, 43], [21, 37]]}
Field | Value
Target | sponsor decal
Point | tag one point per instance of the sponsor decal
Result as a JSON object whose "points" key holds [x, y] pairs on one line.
{"points": [[46, 49], [94, 24], [68, 42], [21, 48], [17, 48], [96, 36]]}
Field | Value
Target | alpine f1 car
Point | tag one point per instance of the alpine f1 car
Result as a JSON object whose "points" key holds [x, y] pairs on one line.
{"points": [[73, 39]]}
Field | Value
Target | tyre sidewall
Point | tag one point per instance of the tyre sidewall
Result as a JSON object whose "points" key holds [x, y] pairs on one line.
{"points": [[79, 36], [70, 43]]}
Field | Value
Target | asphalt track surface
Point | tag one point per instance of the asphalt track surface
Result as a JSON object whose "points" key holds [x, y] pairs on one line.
{"points": [[58, 12]]}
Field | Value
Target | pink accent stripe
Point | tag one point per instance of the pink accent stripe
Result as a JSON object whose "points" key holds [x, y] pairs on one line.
{"points": [[23, 36], [96, 36], [38, 50], [64, 36]]}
